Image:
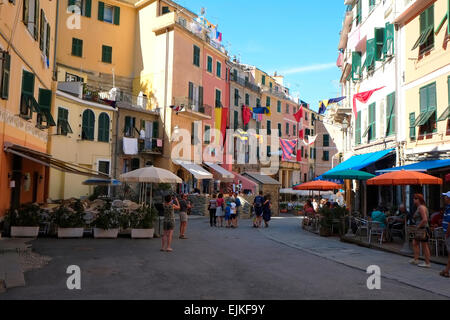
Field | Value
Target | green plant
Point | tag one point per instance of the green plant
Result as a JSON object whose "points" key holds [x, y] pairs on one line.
{"points": [[283, 206], [28, 215], [329, 216], [143, 218], [107, 217], [65, 217]]}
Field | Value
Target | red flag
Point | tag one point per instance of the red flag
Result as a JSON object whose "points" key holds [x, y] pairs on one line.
{"points": [[299, 155], [246, 115], [363, 97], [301, 134], [299, 115]]}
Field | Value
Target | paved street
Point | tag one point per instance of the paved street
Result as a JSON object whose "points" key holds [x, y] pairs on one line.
{"points": [[282, 262]]}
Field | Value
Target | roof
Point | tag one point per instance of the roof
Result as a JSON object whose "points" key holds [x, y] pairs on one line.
{"points": [[423, 166], [261, 178]]}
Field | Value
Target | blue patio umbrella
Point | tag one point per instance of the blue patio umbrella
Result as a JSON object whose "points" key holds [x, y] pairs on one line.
{"points": [[102, 182]]}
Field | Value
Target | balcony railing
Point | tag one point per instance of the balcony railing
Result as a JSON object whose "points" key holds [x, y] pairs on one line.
{"points": [[193, 107], [245, 83], [150, 146]]}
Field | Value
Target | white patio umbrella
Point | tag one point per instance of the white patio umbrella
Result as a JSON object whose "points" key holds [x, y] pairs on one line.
{"points": [[149, 175]]}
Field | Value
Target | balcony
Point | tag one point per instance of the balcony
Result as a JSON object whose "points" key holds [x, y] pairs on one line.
{"points": [[193, 109], [245, 83], [150, 146]]}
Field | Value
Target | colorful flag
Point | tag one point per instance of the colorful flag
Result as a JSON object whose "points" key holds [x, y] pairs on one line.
{"points": [[323, 105], [301, 134], [246, 115], [219, 36], [261, 110], [311, 140], [287, 148], [241, 135], [299, 115], [363, 97]]}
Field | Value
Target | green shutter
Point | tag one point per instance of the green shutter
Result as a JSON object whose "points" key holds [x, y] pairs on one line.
{"points": [[423, 99], [28, 83], [287, 129], [45, 98], [432, 100], [191, 93], [71, 3], [101, 128], [116, 15], [25, 12], [87, 12], [379, 39], [372, 121], [155, 129], [358, 12], [390, 114], [219, 69], [210, 62], [268, 101], [326, 140], [358, 129], [88, 125], [42, 32], [356, 65], [279, 130], [278, 106], [412, 126], [388, 47], [5, 75], [47, 43], [236, 120], [263, 80], [101, 10], [77, 47], [247, 99], [371, 51], [196, 56], [269, 127], [36, 20], [106, 54], [127, 124]]}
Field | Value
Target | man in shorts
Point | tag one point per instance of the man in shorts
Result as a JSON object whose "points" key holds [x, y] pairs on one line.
{"points": [[445, 225], [184, 206]]}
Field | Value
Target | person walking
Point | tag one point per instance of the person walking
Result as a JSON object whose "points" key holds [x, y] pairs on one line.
{"points": [[258, 207], [445, 225], [184, 207], [267, 210], [169, 222], [422, 234], [220, 210], [212, 207]]}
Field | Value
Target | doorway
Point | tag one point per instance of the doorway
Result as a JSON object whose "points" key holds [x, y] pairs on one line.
{"points": [[16, 178]]}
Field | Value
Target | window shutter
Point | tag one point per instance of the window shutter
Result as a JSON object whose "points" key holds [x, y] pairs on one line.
{"points": [[358, 129], [36, 20], [127, 124], [236, 120], [247, 99], [191, 93], [45, 98], [379, 39], [356, 65], [88, 6], [5, 75], [25, 11], [101, 10], [116, 15], [210, 61], [71, 3], [390, 114], [47, 43], [219, 69], [371, 49], [101, 129], [388, 47], [192, 133], [200, 97], [279, 130], [269, 127], [155, 129], [287, 129], [28, 82], [412, 128], [432, 104], [91, 124], [42, 32], [423, 100]]}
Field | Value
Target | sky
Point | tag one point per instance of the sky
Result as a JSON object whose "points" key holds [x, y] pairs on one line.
{"points": [[296, 38]]}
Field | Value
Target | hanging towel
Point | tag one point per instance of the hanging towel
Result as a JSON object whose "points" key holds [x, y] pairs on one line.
{"points": [[130, 146]]}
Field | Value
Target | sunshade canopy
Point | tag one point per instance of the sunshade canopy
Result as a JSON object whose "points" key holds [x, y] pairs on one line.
{"points": [[225, 174], [102, 182], [318, 185], [150, 175], [423, 166], [197, 171], [348, 174], [404, 178]]}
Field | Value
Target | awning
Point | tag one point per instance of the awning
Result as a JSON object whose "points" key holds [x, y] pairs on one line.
{"points": [[225, 174], [423, 118], [359, 162], [423, 166], [49, 161], [445, 115], [197, 171]]}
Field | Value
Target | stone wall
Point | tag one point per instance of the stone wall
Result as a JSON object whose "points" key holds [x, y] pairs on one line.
{"points": [[200, 205]]}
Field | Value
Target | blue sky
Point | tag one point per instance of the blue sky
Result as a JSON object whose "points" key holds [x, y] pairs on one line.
{"points": [[296, 38]]}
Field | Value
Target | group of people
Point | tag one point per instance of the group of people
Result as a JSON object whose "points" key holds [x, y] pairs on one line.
{"points": [[224, 213]]}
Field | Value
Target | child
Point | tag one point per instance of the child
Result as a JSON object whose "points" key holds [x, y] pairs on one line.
{"points": [[228, 213]]}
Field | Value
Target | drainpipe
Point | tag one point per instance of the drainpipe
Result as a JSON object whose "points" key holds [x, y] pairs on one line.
{"points": [[166, 80], [56, 41]]}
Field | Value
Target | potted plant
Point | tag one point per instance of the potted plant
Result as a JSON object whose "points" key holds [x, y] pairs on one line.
{"points": [[142, 222], [283, 207], [25, 221], [107, 222], [70, 221]]}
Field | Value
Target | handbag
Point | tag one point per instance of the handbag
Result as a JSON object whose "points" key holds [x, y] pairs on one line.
{"points": [[421, 234]]}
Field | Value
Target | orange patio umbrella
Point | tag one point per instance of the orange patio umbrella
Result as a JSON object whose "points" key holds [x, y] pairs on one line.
{"points": [[404, 178], [318, 186]]}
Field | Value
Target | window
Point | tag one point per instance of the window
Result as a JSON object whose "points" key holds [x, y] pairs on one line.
{"points": [[44, 39], [165, 10], [287, 108], [287, 129], [103, 167], [263, 80], [356, 65], [106, 54], [218, 98], [219, 70], [28, 103], [388, 46], [236, 97], [426, 38], [326, 140], [428, 110], [235, 75], [210, 64], [358, 129], [258, 102], [44, 117], [30, 17], [103, 127], [372, 121], [107, 13], [358, 12], [268, 101], [236, 120], [88, 125], [84, 7], [379, 43], [306, 116], [207, 134], [63, 126], [294, 131], [77, 47], [326, 156], [412, 126], [279, 130], [129, 128], [371, 51], [372, 4], [196, 56], [135, 164], [247, 99], [258, 126], [279, 106], [269, 127], [4, 76], [73, 78], [390, 114], [271, 85]]}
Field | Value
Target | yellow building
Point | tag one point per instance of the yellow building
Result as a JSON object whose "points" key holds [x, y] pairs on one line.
{"points": [[26, 65]]}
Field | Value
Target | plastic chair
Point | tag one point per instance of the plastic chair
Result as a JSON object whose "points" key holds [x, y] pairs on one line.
{"points": [[362, 225], [375, 229], [437, 240]]}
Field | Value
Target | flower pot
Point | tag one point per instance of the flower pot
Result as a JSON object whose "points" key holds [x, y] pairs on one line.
{"points": [[106, 234], [24, 232], [283, 211], [70, 232], [142, 233]]}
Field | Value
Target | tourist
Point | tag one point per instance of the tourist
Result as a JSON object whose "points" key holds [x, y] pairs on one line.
{"points": [[308, 208], [238, 209], [422, 234], [315, 205], [267, 210], [184, 207], [379, 216], [233, 216], [169, 222], [258, 206], [228, 213], [212, 207], [437, 218], [220, 210], [445, 222]]}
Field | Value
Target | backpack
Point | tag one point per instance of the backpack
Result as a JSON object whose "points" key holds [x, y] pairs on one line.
{"points": [[258, 202], [238, 203]]}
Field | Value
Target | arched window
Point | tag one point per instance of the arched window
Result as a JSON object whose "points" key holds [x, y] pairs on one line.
{"points": [[88, 125], [103, 127]]}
